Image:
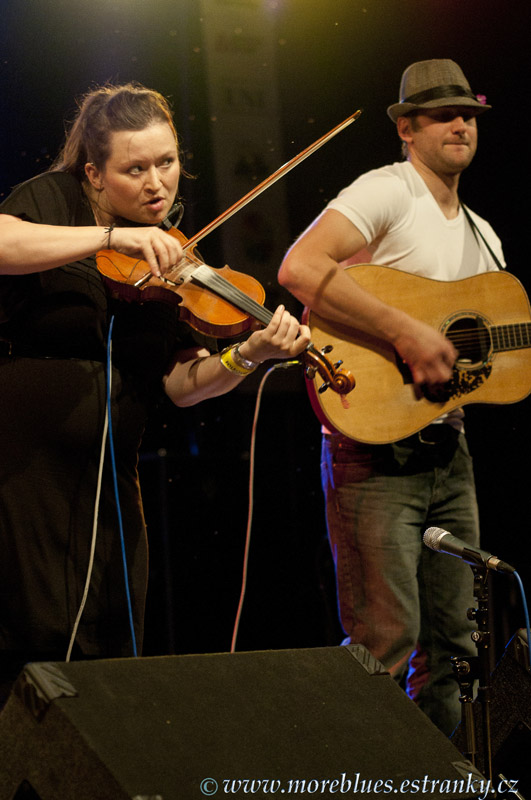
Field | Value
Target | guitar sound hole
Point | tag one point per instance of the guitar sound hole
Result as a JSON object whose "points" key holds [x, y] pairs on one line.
{"points": [[471, 338]]}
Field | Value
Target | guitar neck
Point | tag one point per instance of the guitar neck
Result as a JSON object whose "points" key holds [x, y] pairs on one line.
{"points": [[511, 337]]}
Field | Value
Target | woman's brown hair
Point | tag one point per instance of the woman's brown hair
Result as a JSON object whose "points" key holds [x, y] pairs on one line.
{"points": [[128, 107]]}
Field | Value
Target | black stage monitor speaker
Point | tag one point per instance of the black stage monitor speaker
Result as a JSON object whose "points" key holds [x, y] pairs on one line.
{"points": [[510, 717], [324, 721]]}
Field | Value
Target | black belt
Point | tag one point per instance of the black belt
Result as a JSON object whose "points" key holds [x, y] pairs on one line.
{"points": [[438, 433]]}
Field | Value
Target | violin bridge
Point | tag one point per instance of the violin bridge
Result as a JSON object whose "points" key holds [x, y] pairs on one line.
{"points": [[169, 281]]}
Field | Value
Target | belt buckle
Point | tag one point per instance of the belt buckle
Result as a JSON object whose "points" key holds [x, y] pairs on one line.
{"points": [[428, 441]]}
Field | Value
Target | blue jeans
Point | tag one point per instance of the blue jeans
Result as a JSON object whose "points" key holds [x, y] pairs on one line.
{"points": [[404, 602]]}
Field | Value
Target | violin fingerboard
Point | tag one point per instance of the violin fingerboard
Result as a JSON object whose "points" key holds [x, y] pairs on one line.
{"points": [[209, 279]]}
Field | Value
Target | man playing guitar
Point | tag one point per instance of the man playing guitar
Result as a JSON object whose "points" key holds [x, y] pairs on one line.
{"points": [[406, 604]]}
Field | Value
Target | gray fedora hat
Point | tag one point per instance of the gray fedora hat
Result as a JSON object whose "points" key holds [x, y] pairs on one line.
{"points": [[432, 84]]}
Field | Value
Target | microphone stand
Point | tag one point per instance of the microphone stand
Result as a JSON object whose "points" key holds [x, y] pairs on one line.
{"points": [[468, 670]]}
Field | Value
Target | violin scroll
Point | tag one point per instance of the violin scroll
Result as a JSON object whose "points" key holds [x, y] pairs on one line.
{"points": [[339, 380]]}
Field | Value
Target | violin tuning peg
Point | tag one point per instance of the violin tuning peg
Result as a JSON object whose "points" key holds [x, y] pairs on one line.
{"points": [[323, 388]]}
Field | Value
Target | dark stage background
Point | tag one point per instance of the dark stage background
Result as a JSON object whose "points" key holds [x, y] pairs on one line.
{"points": [[327, 58]]}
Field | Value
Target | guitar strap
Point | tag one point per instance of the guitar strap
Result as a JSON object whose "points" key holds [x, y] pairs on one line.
{"points": [[476, 231]]}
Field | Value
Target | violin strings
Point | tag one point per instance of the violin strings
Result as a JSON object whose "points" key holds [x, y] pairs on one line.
{"points": [[218, 284]]}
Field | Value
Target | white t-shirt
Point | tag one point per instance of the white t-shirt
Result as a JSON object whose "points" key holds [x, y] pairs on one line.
{"points": [[405, 228]]}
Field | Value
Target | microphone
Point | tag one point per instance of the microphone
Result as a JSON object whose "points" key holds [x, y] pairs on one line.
{"points": [[443, 542]]}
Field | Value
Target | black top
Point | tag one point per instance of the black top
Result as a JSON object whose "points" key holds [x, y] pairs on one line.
{"points": [[51, 429]]}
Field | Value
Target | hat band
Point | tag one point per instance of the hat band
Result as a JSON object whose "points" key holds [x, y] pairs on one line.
{"points": [[437, 92]]}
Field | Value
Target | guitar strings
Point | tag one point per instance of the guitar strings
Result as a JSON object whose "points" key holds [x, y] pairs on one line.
{"points": [[499, 337], [487, 334]]}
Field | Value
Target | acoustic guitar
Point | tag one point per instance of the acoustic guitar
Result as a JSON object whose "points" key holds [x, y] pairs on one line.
{"points": [[487, 318]]}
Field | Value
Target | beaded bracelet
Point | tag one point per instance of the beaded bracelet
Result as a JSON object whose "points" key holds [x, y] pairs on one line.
{"points": [[236, 363]]}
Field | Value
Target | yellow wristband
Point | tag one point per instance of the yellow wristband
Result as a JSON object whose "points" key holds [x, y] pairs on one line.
{"points": [[227, 359]]}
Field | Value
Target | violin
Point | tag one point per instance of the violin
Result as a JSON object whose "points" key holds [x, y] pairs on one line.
{"points": [[218, 302]]}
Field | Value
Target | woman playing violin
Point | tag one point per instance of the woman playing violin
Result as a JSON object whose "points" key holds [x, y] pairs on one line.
{"points": [[111, 187]]}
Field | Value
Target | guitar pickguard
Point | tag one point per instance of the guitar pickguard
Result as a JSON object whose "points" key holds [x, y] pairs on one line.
{"points": [[462, 383]]}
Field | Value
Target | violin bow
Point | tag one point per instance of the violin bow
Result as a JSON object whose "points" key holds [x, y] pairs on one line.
{"points": [[341, 381], [279, 173]]}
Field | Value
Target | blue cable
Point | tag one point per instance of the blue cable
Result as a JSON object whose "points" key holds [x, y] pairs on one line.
{"points": [[116, 492], [526, 614]]}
